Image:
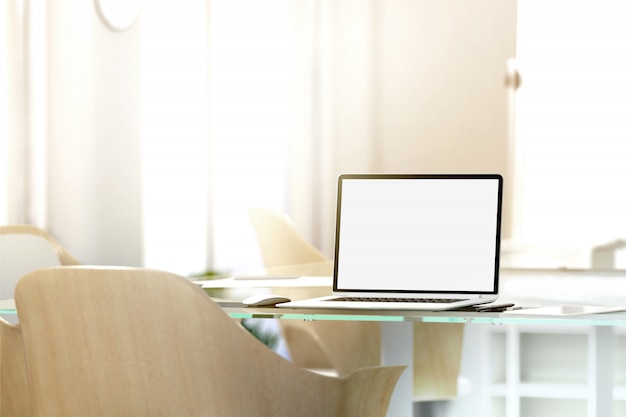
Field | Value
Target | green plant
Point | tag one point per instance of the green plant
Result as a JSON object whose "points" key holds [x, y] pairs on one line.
{"points": [[269, 338]]}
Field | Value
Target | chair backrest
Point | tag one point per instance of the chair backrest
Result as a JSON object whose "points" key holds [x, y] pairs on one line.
{"points": [[24, 248], [279, 241], [105, 342], [14, 400], [343, 347]]}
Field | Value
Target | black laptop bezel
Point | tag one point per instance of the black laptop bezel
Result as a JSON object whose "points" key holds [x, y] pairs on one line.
{"points": [[498, 236]]}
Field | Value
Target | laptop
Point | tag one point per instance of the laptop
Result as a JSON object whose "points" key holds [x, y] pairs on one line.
{"points": [[414, 242]]}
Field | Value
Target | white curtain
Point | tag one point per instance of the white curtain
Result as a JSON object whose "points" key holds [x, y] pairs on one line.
{"points": [[11, 112], [250, 118], [175, 140], [215, 129], [259, 132], [5, 40], [159, 138]]}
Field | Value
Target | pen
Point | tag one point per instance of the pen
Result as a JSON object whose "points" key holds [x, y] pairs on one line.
{"points": [[495, 307]]}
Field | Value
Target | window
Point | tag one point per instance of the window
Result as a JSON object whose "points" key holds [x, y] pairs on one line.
{"points": [[175, 135], [571, 123], [249, 120], [214, 136]]}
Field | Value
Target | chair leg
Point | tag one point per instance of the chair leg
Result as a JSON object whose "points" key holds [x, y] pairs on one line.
{"points": [[436, 359]]}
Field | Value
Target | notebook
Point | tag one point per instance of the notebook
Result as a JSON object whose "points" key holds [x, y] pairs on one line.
{"points": [[414, 242]]}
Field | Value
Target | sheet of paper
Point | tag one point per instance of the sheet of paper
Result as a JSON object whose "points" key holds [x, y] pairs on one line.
{"points": [[565, 310], [268, 282]]}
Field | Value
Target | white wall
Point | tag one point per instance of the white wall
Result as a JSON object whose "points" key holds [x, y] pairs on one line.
{"points": [[442, 97], [93, 135], [413, 86]]}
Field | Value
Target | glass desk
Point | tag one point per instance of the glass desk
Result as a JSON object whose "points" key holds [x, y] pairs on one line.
{"points": [[7, 307], [510, 317], [524, 287], [397, 340], [397, 327]]}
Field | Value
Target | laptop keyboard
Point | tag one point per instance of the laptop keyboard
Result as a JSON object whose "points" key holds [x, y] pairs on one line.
{"points": [[399, 299]]}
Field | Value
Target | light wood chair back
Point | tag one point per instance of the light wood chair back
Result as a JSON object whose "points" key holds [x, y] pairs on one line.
{"points": [[340, 346], [110, 342], [24, 248], [279, 241], [14, 397]]}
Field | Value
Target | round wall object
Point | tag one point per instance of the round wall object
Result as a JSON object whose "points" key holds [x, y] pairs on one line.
{"points": [[118, 15]]}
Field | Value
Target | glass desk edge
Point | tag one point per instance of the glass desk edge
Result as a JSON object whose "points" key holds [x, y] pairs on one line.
{"points": [[600, 319], [603, 319]]}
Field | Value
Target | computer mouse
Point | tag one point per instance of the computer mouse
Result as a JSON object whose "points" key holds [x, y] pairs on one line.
{"points": [[261, 300]]}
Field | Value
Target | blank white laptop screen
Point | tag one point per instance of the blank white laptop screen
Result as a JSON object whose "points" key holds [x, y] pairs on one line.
{"points": [[415, 242], [428, 234]]}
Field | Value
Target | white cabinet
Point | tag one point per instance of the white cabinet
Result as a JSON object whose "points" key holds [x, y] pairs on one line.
{"points": [[551, 370]]}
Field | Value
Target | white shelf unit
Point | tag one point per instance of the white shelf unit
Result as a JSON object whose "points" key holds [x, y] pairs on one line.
{"points": [[554, 371]]}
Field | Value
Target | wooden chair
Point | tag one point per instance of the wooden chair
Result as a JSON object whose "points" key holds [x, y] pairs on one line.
{"points": [[346, 346], [339, 346], [24, 248], [110, 342], [14, 401], [279, 241]]}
